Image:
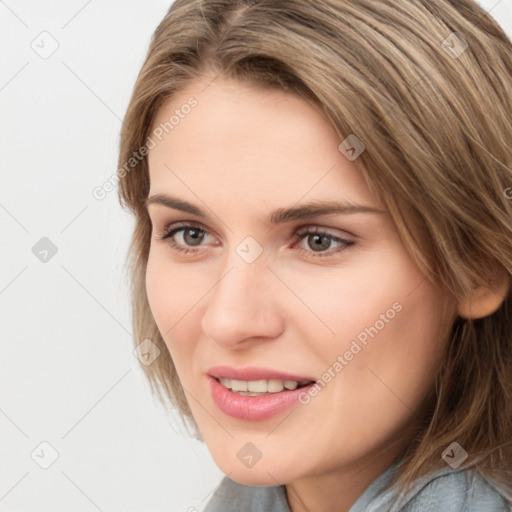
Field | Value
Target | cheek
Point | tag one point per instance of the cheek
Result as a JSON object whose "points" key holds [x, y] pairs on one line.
{"points": [[393, 347], [359, 300], [174, 296], [386, 321]]}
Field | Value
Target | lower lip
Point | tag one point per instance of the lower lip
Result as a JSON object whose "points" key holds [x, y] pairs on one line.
{"points": [[254, 408]]}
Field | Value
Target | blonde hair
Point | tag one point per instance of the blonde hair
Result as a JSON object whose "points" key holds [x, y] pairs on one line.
{"points": [[435, 118]]}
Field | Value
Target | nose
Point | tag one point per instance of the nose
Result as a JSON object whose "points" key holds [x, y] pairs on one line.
{"points": [[244, 306]]}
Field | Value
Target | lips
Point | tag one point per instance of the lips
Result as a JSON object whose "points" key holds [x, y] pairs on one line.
{"points": [[254, 408], [255, 373]]}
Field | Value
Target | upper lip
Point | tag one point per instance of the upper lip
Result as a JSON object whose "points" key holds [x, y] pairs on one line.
{"points": [[255, 373]]}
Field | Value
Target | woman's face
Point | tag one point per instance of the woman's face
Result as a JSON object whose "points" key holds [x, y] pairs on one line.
{"points": [[260, 297]]}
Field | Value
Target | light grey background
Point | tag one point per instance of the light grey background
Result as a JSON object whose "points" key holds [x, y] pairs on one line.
{"points": [[68, 375]]}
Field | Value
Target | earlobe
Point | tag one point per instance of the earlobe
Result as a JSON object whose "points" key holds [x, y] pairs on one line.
{"points": [[484, 300]]}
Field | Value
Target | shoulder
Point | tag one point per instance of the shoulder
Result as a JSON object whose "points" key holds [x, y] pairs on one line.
{"points": [[232, 496], [446, 490], [454, 491]]}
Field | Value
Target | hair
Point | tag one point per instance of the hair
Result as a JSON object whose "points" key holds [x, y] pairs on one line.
{"points": [[437, 130]]}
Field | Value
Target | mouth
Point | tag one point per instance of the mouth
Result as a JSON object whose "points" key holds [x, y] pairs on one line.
{"points": [[261, 387], [256, 394]]}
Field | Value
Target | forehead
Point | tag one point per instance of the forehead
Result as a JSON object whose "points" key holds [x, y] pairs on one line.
{"points": [[259, 146]]}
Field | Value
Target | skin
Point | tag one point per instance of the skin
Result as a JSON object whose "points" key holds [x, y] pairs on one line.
{"points": [[240, 154]]}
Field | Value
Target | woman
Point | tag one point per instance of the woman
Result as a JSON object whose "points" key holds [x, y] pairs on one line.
{"points": [[323, 248]]}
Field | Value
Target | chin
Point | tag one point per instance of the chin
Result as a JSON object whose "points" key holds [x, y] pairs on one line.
{"points": [[262, 473], [251, 477]]}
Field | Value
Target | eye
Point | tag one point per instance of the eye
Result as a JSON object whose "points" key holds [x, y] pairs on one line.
{"points": [[319, 241], [192, 235]]}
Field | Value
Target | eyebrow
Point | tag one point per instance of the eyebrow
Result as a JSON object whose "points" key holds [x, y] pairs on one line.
{"points": [[281, 215]]}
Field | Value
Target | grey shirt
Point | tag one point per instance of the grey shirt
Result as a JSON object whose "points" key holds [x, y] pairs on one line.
{"points": [[447, 490]]}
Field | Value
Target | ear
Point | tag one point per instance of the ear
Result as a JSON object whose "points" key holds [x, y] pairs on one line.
{"points": [[484, 300]]}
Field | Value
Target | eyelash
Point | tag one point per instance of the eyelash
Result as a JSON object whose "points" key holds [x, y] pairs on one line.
{"points": [[173, 229]]}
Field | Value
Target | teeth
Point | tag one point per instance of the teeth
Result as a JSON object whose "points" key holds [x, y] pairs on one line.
{"points": [[274, 386], [239, 385], [256, 386], [225, 382], [259, 387]]}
